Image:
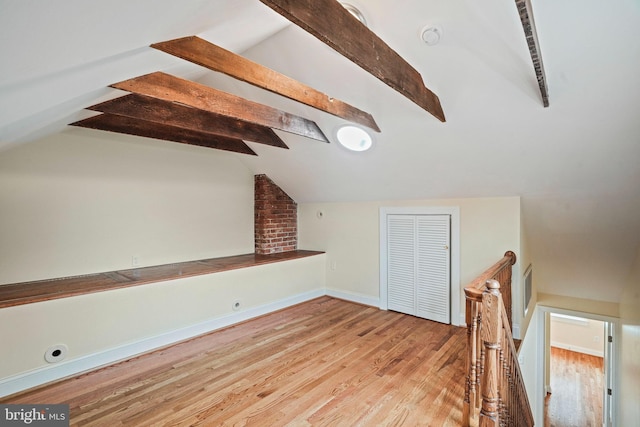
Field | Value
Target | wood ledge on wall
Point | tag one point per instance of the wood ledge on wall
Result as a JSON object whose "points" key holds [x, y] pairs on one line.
{"points": [[44, 290]]}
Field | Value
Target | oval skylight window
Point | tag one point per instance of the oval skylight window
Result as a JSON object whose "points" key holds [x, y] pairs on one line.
{"points": [[354, 138]]}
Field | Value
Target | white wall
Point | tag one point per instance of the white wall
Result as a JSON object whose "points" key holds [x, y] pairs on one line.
{"points": [[74, 203], [531, 360], [579, 305], [349, 233], [630, 350], [583, 336], [101, 328]]}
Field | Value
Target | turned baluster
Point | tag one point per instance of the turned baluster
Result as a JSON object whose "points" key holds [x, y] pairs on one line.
{"points": [[480, 359], [473, 302], [491, 334]]}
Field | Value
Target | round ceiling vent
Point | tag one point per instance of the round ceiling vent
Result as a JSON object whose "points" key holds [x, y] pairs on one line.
{"points": [[431, 35]]}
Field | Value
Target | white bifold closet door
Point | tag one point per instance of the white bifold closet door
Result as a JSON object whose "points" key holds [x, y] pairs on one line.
{"points": [[418, 265]]}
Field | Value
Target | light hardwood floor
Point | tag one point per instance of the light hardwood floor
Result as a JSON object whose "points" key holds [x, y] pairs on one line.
{"points": [[577, 390], [326, 362]]}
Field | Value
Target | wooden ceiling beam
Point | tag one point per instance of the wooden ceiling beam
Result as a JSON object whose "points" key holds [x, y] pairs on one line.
{"points": [[170, 88], [330, 22], [213, 57], [529, 26], [131, 126], [160, 111]]}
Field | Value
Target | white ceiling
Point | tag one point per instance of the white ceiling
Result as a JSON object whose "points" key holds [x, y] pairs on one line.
{"points": [[576, 164]]}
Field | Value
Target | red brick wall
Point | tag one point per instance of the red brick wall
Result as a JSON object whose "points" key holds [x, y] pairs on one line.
{"points": [[276, 218]]}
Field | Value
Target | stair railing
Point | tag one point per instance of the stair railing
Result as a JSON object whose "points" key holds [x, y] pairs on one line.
{"points": [[494, 389]]}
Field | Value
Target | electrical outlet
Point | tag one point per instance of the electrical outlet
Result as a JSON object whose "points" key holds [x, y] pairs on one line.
{"points": [[135, 261]]}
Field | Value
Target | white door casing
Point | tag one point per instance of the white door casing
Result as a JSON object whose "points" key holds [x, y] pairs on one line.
{"points": [[611, 350]]}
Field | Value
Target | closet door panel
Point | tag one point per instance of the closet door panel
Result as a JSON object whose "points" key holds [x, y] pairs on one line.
{"points": [[433, 267], [401, 263]]}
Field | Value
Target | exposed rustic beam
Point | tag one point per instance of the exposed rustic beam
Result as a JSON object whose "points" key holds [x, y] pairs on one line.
{"points": [[213, 57], [529, 26], [330, 22], [170, 88], [178, 115], [130, 126]]}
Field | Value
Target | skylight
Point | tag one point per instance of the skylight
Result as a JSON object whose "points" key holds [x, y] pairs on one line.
{"points": [[354, 138]]}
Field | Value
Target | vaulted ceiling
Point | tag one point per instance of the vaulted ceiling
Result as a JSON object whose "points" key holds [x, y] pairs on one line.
{"points": [[575, 164]]}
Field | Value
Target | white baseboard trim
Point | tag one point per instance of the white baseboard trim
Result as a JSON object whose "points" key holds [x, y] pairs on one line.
{"points": [[358, 298], [578, 349], [46, 374], [462, 321]]}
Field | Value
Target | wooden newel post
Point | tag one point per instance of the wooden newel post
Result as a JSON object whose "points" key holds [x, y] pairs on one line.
{"points": [[491, 333]]}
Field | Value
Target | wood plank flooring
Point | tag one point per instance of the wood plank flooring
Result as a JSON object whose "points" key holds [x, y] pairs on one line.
{"points": [[325, 362], [577, 390]]}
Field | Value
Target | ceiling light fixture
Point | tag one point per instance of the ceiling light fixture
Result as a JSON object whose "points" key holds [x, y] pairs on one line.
{"points": [[355, 12], [354, 138]]}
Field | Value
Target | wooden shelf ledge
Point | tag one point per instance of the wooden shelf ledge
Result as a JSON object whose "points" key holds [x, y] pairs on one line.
{"points": [[44, 290]]}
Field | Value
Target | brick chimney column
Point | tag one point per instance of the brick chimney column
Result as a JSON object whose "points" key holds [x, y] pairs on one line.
{"points": [[276, 218]]}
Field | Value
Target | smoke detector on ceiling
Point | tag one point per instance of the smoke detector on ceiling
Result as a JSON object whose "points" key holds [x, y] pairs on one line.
{"points": [[431, 35]]}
